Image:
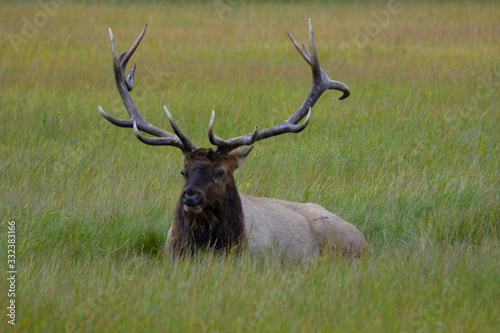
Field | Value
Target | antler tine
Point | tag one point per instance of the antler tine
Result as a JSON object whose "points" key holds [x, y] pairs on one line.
{"points": [[183, 137], [302, 50], [129, 82], [156, 141], [320, 83], [226, 146], [316, 68], [125, 57], [124, 84]]}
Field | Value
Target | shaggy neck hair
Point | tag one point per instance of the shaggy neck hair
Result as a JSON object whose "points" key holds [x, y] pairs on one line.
{"points": [[220, 226]]}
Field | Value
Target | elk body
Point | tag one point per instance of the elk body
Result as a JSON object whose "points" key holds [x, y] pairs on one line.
{"points": [[210, 212]]}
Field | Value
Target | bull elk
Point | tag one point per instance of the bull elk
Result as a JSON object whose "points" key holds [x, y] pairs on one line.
{"points": [[210, 212]]}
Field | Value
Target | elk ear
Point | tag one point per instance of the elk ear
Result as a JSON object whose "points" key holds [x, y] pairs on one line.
{"points": [[241, 155]]}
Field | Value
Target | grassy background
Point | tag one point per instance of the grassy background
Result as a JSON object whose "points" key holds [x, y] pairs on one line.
{"points": [[411, 159]]}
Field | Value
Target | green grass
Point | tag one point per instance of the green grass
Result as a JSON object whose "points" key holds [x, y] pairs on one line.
{"points": [[411, 159]]}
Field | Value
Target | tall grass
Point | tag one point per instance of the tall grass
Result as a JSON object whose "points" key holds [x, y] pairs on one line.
{"points": [[411, 158]]}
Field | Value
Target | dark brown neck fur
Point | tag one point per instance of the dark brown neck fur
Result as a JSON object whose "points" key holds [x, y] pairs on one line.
{"points": [[220, 228], [220, 225]]}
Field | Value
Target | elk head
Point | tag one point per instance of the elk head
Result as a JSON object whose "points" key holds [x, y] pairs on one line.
{"points": [[208, 173]]}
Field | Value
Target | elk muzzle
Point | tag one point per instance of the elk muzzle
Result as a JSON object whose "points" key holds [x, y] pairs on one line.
{"points": [[192, 202]]}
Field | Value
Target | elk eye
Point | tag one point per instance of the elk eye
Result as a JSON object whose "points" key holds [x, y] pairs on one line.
{"points": [[220, 173]]}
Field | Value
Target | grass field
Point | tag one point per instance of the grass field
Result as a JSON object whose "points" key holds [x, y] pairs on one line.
{"points": [[411, 159]]}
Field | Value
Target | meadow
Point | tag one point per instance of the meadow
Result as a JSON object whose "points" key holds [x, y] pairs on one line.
{"points": [[411, 158]]}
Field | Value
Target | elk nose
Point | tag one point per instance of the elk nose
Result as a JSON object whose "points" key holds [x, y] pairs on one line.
{"points": [[191, 200]]}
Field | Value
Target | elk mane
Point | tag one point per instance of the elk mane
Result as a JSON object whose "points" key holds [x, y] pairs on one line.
{"points": [[220, 226]]}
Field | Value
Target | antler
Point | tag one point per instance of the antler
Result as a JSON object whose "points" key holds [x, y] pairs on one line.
{"points": [[124, 84], [320, 83]]}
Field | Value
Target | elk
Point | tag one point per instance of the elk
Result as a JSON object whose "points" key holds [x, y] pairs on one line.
{"points": [[210, 212]]}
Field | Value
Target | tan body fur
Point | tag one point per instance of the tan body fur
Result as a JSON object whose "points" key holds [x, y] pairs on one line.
{"points": [[297, 230]]}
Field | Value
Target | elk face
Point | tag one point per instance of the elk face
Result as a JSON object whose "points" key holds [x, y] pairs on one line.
{"points": [[209, 181]]}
